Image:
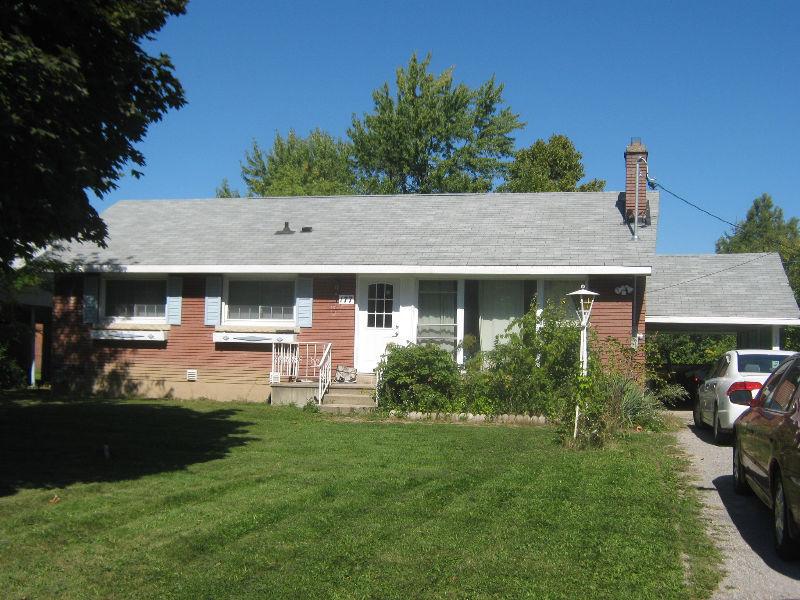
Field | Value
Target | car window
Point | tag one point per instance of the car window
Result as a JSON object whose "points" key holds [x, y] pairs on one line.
{"points": [[770, 385], [782, 396], [722, 366], [758, 363], [718, 366]]}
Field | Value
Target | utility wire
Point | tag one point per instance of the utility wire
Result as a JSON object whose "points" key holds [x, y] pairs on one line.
{"points": [[654, 184], [672, 285]]}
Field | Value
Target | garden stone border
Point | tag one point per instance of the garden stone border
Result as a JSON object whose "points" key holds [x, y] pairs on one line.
{"points": [[469, 417]]}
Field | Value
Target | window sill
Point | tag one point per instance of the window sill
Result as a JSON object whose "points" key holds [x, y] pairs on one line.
{"points": [[257, 328], [132, 325], [130, 335]]}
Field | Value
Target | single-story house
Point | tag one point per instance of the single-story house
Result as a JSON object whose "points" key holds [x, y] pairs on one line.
{"points": [[223, 298]]}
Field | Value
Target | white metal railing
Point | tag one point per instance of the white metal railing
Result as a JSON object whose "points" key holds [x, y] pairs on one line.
{"points": [[302, 361], [324, 373]]}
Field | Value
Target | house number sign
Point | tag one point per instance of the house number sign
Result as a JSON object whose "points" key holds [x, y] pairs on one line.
{"points": [[347, 299]]}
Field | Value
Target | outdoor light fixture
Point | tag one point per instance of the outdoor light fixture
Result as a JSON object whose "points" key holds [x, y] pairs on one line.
{"points": [[584, 300]]}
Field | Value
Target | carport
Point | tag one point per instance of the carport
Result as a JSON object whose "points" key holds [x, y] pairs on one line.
{"points": [[745, 294]]}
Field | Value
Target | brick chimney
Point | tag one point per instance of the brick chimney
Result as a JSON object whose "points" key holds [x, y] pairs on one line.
{"points": [[635, 152]]}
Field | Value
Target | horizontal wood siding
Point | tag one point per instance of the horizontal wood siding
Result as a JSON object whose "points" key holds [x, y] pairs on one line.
{"points": [[333, 322], [189, 345]]}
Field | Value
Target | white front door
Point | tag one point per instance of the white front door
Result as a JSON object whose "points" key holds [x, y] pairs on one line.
{"points": [[386, 311]]}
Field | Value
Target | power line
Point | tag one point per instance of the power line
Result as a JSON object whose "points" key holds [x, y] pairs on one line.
{"points": [[654, 184], [759, 257]]}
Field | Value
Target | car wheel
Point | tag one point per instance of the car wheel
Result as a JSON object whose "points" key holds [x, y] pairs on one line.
{"points": [[719, 435], [740, 485], [698, 418], [784, 545]]}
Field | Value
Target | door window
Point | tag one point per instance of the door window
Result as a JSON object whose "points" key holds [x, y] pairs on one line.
{"points": [[380, 305], [782, 395]]}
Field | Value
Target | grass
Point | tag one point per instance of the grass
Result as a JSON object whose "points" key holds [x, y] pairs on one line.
{"points": [[209, 500]]}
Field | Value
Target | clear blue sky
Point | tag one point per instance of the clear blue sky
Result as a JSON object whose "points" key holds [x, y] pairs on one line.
{"points": [[712, 88]]}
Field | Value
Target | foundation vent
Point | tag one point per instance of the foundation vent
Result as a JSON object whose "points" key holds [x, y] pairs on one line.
{"points": [[191, 374]]}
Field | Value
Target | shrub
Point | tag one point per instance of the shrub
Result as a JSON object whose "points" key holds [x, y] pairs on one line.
{"points": [[11, 375], [418, 377]]}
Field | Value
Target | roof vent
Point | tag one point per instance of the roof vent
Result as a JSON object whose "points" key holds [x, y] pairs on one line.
{"points": [[306, 229], [285, 229]]}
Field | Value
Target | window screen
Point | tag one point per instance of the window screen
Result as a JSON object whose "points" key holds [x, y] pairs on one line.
{"points": [[437, 314], [261, 300], [129, 298], [380, 305]]}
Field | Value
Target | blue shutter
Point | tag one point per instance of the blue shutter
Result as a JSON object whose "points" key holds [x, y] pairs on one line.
{"points": [[174, 299], [305, 300], [91, 294], [213, 299]]}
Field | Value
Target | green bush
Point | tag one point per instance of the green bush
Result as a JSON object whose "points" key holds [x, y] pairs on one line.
{"points": [[11, 375], [418, 377], [533, 366]]}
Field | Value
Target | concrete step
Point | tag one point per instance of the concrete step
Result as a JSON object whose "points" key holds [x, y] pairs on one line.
{"points": [[344, 408], [339, 397], [361, 389]]}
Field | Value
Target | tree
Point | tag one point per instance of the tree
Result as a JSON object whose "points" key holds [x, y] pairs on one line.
{"points": [[318, 165], [551, 166], [432, 135], [765, 229], [225, 190], [78, 91]]}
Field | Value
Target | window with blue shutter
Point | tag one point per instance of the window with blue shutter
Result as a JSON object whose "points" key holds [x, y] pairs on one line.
{"points": [[305, 301], [213, 299], [174, 299], [91, 294]]}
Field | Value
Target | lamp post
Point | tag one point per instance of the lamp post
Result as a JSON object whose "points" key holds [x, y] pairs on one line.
{"points": [[584, 300]]}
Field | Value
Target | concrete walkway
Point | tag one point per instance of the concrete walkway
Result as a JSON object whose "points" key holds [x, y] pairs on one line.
{"points": [[740, 525]]}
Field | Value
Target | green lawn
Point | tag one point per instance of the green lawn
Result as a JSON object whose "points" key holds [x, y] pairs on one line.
{"points": [[209, 500]]}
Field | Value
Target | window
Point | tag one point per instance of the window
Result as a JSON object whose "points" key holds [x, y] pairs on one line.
{"points": [[261, 300], [380, 304], [759, 363], [783, 392], [556, 291], [437, 314], [135, 298], [770, 385]]}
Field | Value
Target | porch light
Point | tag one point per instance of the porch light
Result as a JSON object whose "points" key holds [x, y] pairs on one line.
{"points": [[584, 300]]}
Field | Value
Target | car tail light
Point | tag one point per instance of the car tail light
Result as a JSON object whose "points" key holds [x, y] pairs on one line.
{"points": [[742, 392]]}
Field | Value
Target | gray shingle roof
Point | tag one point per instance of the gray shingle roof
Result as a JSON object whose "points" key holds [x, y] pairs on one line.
{"points": [[720, 286], [448, 230]]}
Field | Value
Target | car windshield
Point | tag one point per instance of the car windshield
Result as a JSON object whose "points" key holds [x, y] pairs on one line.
{"points": [[759, 363]]}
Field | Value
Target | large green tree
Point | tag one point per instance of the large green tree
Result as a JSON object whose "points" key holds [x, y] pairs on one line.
{"points": [[77, 92], [765, 229], [554, 165], [318, 165], [432, 135]]}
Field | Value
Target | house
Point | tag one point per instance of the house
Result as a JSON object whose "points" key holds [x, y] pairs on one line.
{"points": [[218, 298]]}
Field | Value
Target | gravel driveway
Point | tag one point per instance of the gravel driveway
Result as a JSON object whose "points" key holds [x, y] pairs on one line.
{"points": [[740, 525]]}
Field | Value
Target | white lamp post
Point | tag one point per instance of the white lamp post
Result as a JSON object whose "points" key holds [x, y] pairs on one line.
{"points": [[584, 300]]}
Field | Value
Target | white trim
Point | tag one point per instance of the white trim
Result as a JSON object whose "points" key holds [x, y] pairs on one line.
{"points": [[231, 337], [776, 337], [722, 320], [460, 321], [453, 270], [136, 335]]}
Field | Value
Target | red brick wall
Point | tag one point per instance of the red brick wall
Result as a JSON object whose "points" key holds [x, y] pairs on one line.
{"points": [[632, 154], [118, 366], [618, 316]]}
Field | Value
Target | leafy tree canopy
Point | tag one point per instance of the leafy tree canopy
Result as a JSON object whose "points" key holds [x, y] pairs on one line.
{"points": [[78, 91], [765, 229], [433, 135], [317, 165], [225, 190], [551, 166]]}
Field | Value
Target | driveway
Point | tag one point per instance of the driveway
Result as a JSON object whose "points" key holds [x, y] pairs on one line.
{"points": [[740, 525]]}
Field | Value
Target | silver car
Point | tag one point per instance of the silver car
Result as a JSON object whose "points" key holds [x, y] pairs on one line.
{"points": [[732, 382]]}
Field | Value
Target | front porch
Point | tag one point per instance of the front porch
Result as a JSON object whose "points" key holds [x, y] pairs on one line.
{"points": [[303, 372]]}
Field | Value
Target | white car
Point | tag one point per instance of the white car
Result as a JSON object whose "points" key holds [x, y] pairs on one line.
{"points": [[732, 382]]}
